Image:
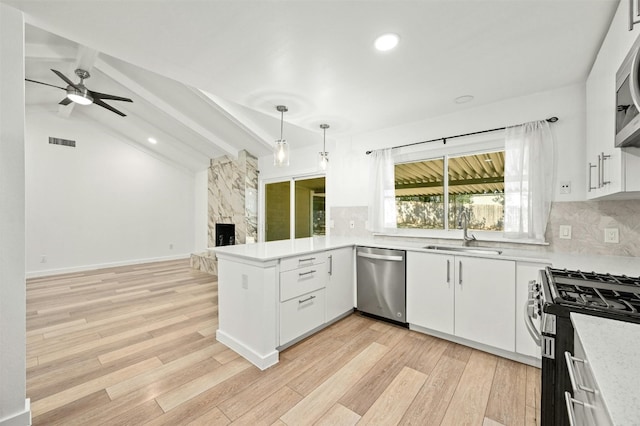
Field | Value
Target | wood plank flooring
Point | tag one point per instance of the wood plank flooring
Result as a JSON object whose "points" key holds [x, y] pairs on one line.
{"points": [[136, 345]]}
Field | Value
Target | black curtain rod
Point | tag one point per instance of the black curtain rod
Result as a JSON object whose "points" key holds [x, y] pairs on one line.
{"points": [[444, 140]]}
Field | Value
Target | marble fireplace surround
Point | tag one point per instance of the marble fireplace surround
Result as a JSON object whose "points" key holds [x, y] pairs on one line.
{"points": [[232, 199]]}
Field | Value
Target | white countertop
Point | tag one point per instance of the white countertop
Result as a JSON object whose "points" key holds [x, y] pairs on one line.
{"points": [[263, 252], [613, 350]]}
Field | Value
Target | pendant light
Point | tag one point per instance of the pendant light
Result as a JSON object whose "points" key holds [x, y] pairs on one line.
{"points": [[324, 155], [281, 153]]}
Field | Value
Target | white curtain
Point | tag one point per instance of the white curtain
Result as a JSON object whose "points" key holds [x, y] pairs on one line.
{"points": [[382, 201], [528, 180]]}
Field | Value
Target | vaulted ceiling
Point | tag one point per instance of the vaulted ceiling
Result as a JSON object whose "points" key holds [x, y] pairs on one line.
{"points": [[206, 76]]}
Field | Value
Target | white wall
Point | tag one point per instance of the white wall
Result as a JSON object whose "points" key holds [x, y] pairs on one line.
{"points": [[348, 183], [102, 203], [14, 408]]}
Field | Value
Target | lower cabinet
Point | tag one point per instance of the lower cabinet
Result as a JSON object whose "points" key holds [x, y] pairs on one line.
{"points": [[340, 283], [468, 297], [314, 290], [430, 291], [301, 315]]}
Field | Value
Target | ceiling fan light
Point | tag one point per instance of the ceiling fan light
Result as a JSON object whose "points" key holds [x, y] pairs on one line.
{"points": [[79, 97]]}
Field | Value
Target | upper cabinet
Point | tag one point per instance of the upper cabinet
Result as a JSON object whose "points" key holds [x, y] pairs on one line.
{"points": [[611, 172]]}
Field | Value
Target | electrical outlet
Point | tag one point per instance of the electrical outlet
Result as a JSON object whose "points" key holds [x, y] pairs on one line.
{"points": [[171, 246], [43, 259], [245, 281], [565, 187], [611, 235], [352, 224], [565, 232]]}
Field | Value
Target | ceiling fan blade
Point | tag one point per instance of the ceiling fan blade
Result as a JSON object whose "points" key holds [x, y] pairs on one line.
{"points": [[109, 107], [62, 76], [65, 101], [46, 84], [98, 95]]}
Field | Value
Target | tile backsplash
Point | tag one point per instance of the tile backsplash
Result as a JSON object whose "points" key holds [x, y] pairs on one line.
{"points": [[588, 221]]}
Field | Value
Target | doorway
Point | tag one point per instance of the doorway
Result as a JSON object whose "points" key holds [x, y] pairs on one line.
{"points": [[295, 208]]}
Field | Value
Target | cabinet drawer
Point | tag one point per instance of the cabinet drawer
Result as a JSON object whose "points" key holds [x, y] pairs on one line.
{"points": [[302, 261], [302, 280], [301, 314]]}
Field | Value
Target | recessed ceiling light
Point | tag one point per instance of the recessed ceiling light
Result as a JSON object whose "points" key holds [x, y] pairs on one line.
{"points": [[386, 42], [463, 99], [152, 140]]}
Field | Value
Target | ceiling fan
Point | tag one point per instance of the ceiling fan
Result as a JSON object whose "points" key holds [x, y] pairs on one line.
{"points": [[78, 93]]}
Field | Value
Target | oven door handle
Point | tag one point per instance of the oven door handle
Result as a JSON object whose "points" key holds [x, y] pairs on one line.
{"points": [[528, 321]]}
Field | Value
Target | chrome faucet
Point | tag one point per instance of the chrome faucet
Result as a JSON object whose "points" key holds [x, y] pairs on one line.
{"points": [[465, 223]]}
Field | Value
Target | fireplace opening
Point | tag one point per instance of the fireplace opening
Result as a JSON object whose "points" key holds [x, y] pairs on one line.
{"points": [[225, 234]]}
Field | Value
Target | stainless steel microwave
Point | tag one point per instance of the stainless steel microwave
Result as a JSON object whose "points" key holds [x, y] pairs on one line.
{"points": [[628, 100]]}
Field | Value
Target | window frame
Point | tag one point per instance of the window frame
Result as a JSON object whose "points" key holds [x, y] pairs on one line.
{"points": [[477, 144]]}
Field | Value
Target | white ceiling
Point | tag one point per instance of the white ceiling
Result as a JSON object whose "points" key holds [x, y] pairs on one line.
{"points": [[316, 57]]}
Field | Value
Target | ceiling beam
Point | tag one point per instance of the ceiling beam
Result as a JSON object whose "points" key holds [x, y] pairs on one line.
{"points": [[165, 107], [246, 125], [498, 179]]}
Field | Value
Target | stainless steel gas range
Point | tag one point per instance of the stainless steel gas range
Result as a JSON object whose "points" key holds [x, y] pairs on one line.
{"points": [[558, 293]]}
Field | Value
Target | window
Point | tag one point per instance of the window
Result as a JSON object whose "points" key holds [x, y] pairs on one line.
{"points": [[474, 184]]}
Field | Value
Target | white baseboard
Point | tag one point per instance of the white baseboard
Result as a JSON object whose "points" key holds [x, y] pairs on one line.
{"points": [[22, 418], [59, 271], [261, 361]]}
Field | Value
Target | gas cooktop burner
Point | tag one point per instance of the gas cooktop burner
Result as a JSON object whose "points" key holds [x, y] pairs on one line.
{"points": [[602, 292]]}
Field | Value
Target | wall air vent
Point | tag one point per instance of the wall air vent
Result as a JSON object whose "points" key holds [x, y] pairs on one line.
{"points": [[65, 142]]}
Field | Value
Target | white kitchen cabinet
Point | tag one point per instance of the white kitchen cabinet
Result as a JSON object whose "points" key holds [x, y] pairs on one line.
{"points": [[302, 295], [469, 297], [611, 172], [430, 291], [484, 301], [301, 315], [340, 284], [525, 272]]}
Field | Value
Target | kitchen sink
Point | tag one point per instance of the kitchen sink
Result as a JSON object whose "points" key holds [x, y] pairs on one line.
{"points": [[475, 250]]}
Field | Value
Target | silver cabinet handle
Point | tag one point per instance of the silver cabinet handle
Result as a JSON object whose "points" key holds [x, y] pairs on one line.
{"points": [[306, 273], [571, 414], [381, 257], [330, 264], [306, 300], [604, 182], [599, 171], [535, 334], [460, 272], [308, 259], [591, 166], [448, 271], [572, 373]]}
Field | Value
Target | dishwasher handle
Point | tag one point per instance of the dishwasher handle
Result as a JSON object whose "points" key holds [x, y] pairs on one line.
{"points": [[381, 257]]}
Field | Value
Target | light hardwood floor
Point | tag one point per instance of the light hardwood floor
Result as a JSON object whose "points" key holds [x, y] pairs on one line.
{"points": [[136, 346]]}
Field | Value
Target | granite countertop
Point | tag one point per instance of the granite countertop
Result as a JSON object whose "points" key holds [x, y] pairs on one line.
{"points": [[273, 250], [612, 349]]}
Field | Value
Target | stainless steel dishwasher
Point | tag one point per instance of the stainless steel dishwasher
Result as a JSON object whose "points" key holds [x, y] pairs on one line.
{"points": [[381, 283]]}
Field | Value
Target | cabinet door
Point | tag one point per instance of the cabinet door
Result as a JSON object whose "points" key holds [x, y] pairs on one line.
{"points": [[430, 291], [340, 285], [301, 315], [485, 301]]}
